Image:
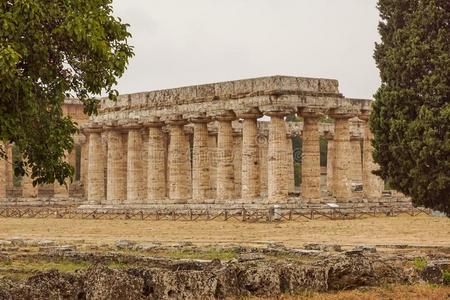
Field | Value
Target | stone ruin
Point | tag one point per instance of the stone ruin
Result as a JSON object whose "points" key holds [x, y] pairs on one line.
{"points": [[224, 143]]}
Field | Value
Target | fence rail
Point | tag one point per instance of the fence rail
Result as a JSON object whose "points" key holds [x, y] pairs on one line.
{"points": [[245, 215]]}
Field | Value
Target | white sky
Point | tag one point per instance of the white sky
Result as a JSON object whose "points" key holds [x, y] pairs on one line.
{"points": [[188, 42]]}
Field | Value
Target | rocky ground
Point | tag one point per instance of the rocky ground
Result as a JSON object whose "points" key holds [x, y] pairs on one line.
{"points": [[44, 269]]}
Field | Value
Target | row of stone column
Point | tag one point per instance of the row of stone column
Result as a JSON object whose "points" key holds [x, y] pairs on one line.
{"points": [[167, 172]]}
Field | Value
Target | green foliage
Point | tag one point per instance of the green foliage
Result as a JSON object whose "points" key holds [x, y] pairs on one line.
{"points": [[446, 277], [411, 114], [420, 263], [49, 51]]}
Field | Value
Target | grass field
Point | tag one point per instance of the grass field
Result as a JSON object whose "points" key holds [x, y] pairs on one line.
{"points": [[419, 230]]}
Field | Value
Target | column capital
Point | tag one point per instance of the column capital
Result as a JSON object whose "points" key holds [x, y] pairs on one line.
{"points": [[343, 113], [311, 112], [364, 115], [175, 120], [223, 115], [253, 113], [277, 110], [153, 122], [92, 128], [133, 124]]}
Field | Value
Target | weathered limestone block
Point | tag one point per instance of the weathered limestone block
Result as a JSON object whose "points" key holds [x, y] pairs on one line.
{"points": [[373, 185], [225, 166], [310, 188], [200, 161], [135, 168], [156, 169], [237, 163], [116, 175], [178, 163], [96, 166], [277, 155], [341, 167], [250, 159]]}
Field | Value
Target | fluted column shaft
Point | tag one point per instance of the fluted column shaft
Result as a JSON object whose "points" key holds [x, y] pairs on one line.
{"points": [[200, 162], [225, 168], [277, 155], [356, 160], [237, 164], [135, 184], [310, 188], [330, 163], [156, 169], [341, 168], [290, 164], [178, 163], [373, 185], [116, 177], [250, 159], [212, 158], [95, 168]]}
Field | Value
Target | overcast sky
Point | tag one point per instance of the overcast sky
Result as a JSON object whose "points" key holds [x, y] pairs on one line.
{"points": [[180, 42]]}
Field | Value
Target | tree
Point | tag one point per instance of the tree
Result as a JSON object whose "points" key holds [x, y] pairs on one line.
{"points": [[411, 113], [49, 51]]}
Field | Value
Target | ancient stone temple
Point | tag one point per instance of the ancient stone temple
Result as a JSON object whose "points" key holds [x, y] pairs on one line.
{"points": [[224, 143]]}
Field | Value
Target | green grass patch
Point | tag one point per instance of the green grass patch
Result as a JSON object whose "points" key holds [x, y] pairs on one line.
{"points": [[446, 277], [420, 263]]}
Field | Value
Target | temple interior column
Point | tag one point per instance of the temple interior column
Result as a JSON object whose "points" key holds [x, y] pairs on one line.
{"points": [[330, 162], [356, 160], [290, 164], [178, 163], [95, 166], [225, 167], [341, 167], [200, 163], [250, 158], [135, 183], [263, 147], [237, 163], [212, 158], [156, 168], [277, 155], [373, 185], [310, 187], [116, 177]]}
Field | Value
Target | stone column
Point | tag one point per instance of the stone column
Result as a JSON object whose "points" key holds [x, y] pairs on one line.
{"points": [[135, 168], [156, 169], [330, 162], [178, 162], [200, 161], [277, 155], [28, 190], [95, 166], [225, 168], [84, 161], [263, 145], [61, 191], [212, 158], [290, 164], [341, 163], [9, 168], [356, 162], [310, 187], [373, 185], [237, 163], [3, 177], [116, 177], [250, 158]]}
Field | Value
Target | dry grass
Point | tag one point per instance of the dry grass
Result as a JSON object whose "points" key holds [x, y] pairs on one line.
{"points": [[414, 292], [420, 230]]}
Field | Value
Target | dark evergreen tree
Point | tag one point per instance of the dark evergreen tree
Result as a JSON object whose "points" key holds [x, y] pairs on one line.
{"points": [[411, 114]]}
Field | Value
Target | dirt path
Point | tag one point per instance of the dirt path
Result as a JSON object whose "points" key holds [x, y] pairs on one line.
{"points": [[420, 230]]}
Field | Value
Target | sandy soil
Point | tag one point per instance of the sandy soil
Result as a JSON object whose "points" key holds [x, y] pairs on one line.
{"points": [[419, 230]]}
